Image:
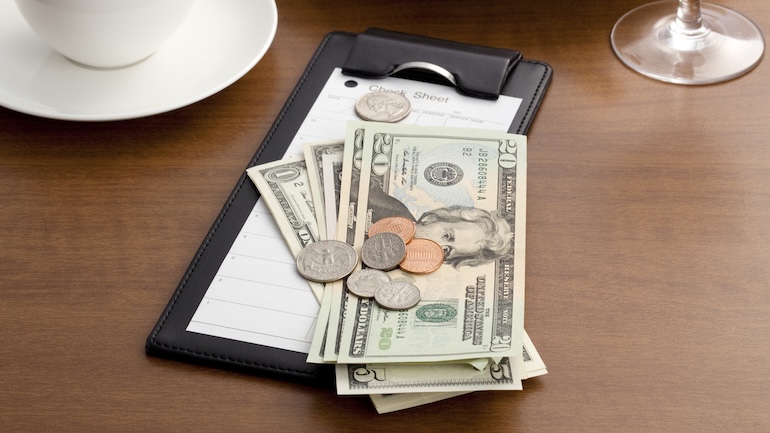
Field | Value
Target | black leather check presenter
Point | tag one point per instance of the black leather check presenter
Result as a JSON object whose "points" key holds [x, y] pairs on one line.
{"points": [[474, 71]]}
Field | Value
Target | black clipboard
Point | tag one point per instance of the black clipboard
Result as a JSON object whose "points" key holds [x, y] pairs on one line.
{"points": [[477, 71]]}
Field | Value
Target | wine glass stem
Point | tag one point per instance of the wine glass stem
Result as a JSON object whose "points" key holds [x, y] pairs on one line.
{"points": [[689, 21]]}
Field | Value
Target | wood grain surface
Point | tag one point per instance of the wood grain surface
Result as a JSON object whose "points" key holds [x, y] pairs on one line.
{"points": [[648, 244]]}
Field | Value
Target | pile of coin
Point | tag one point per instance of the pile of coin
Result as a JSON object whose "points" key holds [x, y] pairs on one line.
{"points": [[384, 245], [390, 244]]}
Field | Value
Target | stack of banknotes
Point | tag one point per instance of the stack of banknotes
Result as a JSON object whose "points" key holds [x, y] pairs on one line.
{"points": [[464, 189]]}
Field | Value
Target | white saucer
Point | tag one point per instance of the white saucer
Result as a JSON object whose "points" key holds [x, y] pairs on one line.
{"points": [[220, 41]]}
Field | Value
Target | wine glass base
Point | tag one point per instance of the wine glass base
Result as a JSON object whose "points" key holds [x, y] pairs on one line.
{"points": [[729, 46]]}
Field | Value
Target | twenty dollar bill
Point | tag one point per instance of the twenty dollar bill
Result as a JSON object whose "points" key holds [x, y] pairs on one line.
{"points": [[466, 190]]}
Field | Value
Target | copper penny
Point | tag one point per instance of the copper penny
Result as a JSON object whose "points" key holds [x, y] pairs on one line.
{"points": [[403, 227], [423, 256]]}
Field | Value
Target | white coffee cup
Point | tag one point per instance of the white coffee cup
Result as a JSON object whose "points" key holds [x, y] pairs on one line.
{"points": [[105, 33]]}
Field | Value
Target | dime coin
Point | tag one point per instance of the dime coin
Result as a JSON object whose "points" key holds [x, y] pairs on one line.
{"points": [[383, 251], [401, 226], [397, 295], [383, 107], [364, 282], [422, 256], [326, 261]]}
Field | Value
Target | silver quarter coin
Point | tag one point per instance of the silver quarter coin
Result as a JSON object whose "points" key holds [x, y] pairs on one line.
{"points": [[383, 251], [397, 295], [326, 261], [364, 282], [383, 107]]}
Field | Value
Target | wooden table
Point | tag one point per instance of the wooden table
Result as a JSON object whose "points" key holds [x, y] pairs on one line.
{"points": [[648, 250]]}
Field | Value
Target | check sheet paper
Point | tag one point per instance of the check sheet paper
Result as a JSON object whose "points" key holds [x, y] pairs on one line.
{"points": [[257, 296]]}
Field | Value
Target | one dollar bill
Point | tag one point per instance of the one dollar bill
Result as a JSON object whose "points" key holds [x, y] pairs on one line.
{"points": [[324, 162], [285, 188]]}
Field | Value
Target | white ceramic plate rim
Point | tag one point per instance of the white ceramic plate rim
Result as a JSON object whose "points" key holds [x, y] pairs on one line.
{"points": [[220, 42]]}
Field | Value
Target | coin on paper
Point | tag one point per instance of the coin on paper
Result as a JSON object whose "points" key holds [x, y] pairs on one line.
{"points": [[397, 295], [383, 251], [326, 261], [422, 256], [364, 282], [401, 226], [383, 107]]}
